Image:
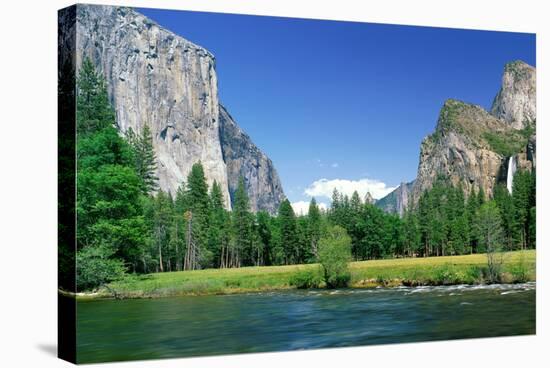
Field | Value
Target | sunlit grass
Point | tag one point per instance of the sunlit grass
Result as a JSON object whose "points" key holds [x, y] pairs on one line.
{"points": [[390, 272]]}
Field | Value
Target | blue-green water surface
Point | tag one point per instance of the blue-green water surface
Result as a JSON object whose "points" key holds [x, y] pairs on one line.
{"points": [[114, 330]]}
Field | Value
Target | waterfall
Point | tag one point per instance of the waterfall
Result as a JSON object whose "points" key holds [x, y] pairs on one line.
{"points": [[512, 165]]}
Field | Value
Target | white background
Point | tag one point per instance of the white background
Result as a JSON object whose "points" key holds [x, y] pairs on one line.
{"points": [[28, 48]]}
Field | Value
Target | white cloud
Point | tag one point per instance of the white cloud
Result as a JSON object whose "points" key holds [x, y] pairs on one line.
{"points": [[302, 207], [334, 165], [325, 187]]}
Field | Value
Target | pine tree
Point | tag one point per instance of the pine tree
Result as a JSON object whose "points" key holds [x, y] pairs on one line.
{"points": [[412, 232], [177, 238], [335, 208], [145, 158], [181, 202], [355, 204], [163, 216], [440, 221], [372, 224], [351, 223], [393, 242], [199, 214], [289, 240], [241, 252], [94, 111], [303, 247], [148, 161], [345, 215], [277, 249], [257, 246], [109, 204], [314, 226], [533, 227], [457, 221], [472, 206], [521, 197], [506, 208], [481, 199], [265, 236], [424, 215], [218, 233]]}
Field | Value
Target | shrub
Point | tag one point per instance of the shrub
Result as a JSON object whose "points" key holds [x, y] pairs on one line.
{"points": [[338, 281], [334, 256], [507, 143], [447, 275], [519, 270], [95, 267], [474, 275], [306, 279], [234, 283], [494, 267]]}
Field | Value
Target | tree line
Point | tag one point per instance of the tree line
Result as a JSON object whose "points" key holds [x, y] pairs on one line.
{"points": [[127, 224]]}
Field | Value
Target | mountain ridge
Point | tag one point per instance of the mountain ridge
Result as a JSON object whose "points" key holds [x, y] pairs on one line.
{"points": [[472, 146]]}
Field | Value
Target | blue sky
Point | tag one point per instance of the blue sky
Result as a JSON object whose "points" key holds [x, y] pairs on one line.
{"points": [[342, 100]]}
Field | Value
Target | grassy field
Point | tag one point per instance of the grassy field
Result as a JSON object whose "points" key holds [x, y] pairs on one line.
{"points": [[468, 269]]}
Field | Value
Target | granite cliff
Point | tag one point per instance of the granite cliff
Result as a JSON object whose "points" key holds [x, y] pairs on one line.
{"points": [[465, 149], [516, 102], [243, 159], [398, 200], [158, 78], [473, 147]]}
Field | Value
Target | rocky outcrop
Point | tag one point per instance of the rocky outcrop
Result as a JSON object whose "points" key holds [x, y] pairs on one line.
{"points": [[369, 199], [244, 159], [158, 78], [473, 148], [516, 102], [398, 200], [468, 147]]}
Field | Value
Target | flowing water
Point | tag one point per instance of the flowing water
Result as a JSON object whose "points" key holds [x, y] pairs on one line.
{"points": [[290, 320], [512, 167]]}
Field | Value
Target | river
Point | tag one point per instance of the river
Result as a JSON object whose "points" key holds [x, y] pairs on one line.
{"points": [[114, 330]]}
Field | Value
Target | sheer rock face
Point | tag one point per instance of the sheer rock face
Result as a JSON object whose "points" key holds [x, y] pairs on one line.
{"points": [[516, 102], [155, 77], [398, 200], [469, 143], [460, 151], [158, 78], [244, 159]]}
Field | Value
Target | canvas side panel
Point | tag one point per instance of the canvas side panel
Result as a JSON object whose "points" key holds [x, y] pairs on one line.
{"points": [[66, 147]]}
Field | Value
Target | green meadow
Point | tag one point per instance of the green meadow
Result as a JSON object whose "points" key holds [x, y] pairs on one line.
{"points": [[517, 266]]}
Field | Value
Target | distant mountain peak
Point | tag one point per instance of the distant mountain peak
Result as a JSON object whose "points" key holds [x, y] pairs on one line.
{"points": [[398, 200], [516, 102], [470, 146]]}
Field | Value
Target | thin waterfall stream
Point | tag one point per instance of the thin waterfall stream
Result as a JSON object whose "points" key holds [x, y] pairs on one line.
{"points": [[512, 166]]}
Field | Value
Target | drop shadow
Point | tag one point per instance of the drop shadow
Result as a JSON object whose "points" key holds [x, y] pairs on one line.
{"points": [[50, 349]]}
